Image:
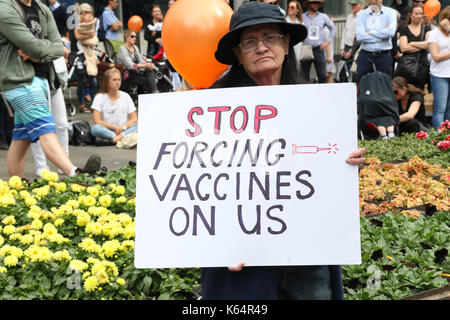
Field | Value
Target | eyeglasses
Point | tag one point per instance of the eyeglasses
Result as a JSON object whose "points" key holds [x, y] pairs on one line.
{"points": [[271, 40], [420, 1], [396, 91], [133, 36], [292, 7]]}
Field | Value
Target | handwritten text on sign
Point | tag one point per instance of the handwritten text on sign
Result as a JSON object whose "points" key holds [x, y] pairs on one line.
{"points": [[249, 174]]}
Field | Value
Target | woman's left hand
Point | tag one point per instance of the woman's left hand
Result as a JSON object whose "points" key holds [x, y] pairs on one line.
{"points": [[356, 157]]}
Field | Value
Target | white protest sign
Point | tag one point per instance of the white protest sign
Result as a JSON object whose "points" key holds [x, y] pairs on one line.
{"points": [[255, 175]]}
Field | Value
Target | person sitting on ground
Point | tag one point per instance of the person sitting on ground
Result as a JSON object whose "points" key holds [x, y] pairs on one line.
{"points": [[411, 107], [139, 71], [114, 111]]}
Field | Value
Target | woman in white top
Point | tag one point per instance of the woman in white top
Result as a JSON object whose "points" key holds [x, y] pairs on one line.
{"points": [[294, 15], [114, 111], [439, 46]]}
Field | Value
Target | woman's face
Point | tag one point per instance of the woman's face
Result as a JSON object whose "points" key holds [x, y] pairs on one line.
{"points": [[264, 60], [115, 81], [292, 9], [131, 39], [398, 92], [417, 15]]}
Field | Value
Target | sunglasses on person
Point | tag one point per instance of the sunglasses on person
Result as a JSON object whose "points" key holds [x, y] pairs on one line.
{"points": [[133, 36], [292, 7], [420, 1], [270, 41]]}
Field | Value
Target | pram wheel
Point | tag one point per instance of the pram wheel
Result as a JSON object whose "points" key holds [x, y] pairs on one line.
{"points": [[71, 109]]}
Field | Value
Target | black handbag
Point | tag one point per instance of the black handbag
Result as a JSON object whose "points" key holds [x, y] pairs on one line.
{"points": [[409, 64], [82, 134]]}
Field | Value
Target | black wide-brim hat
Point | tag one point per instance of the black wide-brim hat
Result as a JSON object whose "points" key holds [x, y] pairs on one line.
{"points": [[251, 14]]}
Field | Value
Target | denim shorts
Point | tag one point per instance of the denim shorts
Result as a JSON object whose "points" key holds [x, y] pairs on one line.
{"points": [[32, 117]]}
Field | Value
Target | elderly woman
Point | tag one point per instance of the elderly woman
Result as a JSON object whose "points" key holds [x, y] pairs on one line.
{"points": [[259, 48], [138, 71]]}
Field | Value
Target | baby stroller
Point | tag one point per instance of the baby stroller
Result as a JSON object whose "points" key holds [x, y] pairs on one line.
{"points": [[376, 105], [343, 73]]}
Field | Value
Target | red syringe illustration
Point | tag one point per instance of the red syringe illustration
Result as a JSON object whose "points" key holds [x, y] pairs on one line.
{"points": [[313, 149]]}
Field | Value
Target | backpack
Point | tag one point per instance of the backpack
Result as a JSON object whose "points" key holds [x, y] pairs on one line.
{"points": [[81, 135], [101, 32]]}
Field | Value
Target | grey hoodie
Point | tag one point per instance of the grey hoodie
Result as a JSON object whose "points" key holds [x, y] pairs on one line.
{"points": [[15, 35]]}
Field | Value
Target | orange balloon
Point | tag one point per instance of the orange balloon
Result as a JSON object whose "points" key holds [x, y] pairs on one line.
{"points": [[432, 8], [190, 34], [135, 23]]}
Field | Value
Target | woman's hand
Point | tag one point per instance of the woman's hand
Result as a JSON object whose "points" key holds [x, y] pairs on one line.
{"points": [[236, 268], [356, 157]]}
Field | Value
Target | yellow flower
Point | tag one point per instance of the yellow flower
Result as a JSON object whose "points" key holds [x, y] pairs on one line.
{"points": [[120, 190], [62, 255], [73, 203], [3, 270], [30, 201], [15, 182], [128, 232], [89, 245], [9, 220], [83, 218], [27, 239], [110, 247], [127, 245], [2, 241], [78, 265], [105, 200], [100, 180], [89, 201], [77, 188], [121, 199], [102, 277], [7, 199], [15, 236], [120, 281], [10, 261], [94, 228], [60, 187], [9, 229], [49, 175], [93, 191], [33, 252], [59, 221], [91, 283], [36, 224]]}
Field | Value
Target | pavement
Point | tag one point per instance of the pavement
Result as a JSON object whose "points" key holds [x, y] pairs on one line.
{"points": [[112, 157]]}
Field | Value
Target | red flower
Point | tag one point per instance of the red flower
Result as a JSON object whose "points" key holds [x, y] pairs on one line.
{"points": [[443, 145], [421, 135]]}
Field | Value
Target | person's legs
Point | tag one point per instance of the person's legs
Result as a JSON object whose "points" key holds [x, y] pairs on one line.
{"points": [[93, 86], [150, 81], [99, 130], [306, 69], [131, 129], [320, 64], [441, 108], [15, 159], [58, 110], [364, 66], [383, 63]]}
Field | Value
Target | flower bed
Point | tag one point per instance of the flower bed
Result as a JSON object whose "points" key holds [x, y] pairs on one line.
{"points": [[74, 239]]}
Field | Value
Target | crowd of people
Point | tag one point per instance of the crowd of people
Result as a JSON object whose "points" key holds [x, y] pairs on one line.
{"points": [[397, 40]]}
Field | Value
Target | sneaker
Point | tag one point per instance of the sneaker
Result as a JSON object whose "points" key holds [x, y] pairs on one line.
{"points": [[92, 164]]}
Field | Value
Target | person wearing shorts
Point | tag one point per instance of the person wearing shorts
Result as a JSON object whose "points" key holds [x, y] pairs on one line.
{"points": [[29, 42]]}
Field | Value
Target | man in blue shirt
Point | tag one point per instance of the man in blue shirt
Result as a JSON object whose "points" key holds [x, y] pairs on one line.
{"points": [[375, 28], [110, 22], [315, 22]]}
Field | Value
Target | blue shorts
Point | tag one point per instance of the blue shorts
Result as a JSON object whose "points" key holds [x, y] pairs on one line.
{"points": [[32, 117]]}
